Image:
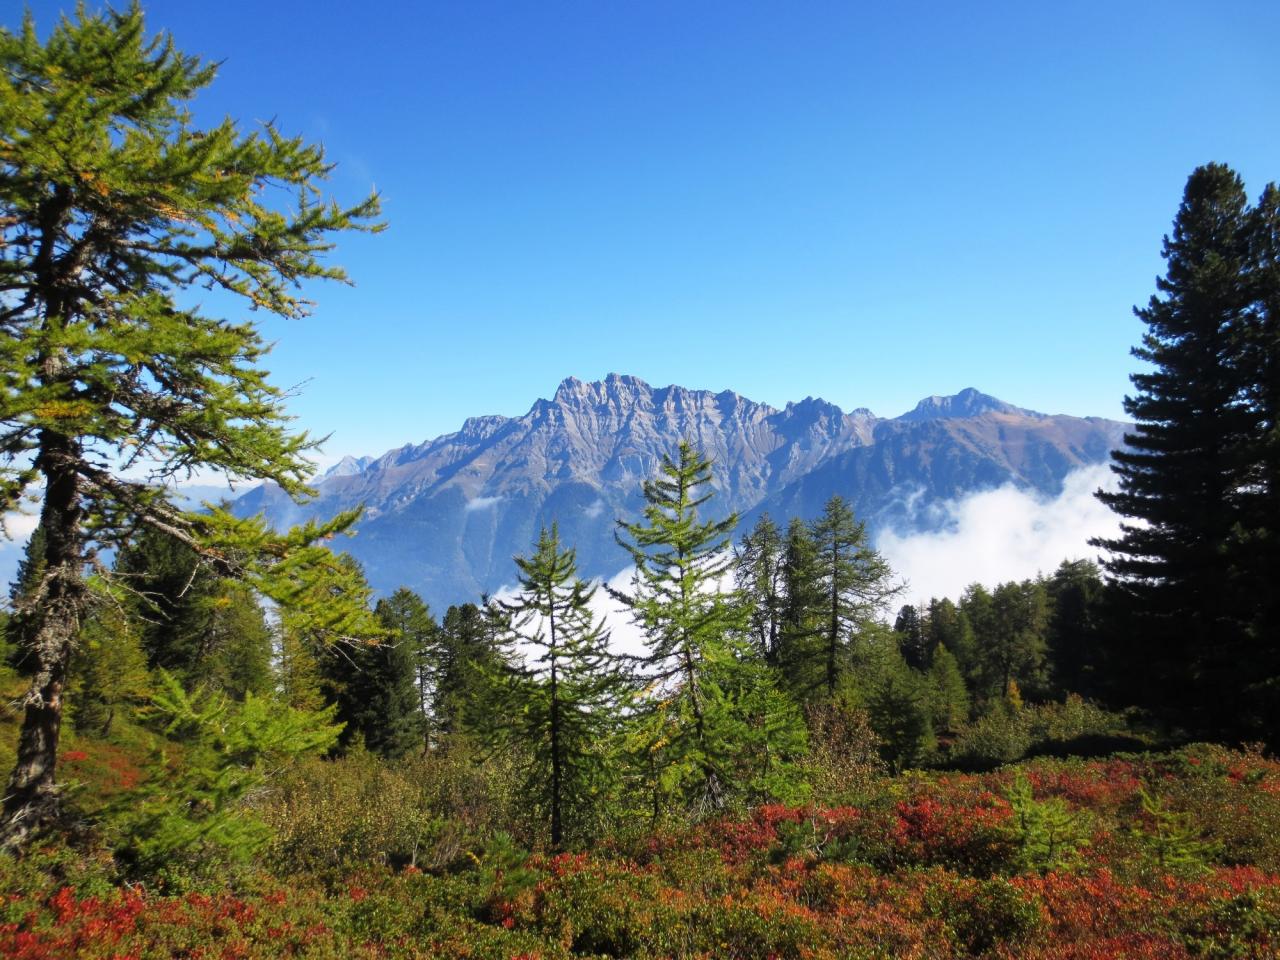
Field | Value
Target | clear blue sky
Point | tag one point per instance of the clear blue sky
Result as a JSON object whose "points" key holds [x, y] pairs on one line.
{"points": [[864, 202]]}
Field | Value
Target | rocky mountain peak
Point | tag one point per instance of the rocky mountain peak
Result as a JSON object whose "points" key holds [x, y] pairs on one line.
{"points": [[348, 466], [615, 390], [445, 516], [969, 402]]}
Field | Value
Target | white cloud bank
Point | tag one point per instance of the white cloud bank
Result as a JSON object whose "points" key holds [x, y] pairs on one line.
{"points": [[624, 635], [1003, 534], [989, 538], [480, 503]]}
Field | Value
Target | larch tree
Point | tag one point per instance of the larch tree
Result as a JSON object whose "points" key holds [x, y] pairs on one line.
{"points": [[857, 583], [689, 621], [561, 691], [115, 207], [110, 671]]}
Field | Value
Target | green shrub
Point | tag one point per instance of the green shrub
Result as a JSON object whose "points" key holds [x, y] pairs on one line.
{"points": [[844, 764], [1172, 841], [183, 825], [983, 914], [1003, 734], [334, 816], [1049, 834]]}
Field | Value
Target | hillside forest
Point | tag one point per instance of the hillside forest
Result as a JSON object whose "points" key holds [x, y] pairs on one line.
{"points": [[223, 744]]}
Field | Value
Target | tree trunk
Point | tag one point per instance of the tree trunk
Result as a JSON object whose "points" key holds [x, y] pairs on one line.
{"points": [[31, 800], [833, 641], [557, 778]]}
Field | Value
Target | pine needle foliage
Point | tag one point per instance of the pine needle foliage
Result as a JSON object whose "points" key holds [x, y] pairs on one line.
{"points": [[194, 813], [856, 582], [1196, 559], [1050, 835], [114, 208], [689, 621], [1172, 840], [562, 690]]}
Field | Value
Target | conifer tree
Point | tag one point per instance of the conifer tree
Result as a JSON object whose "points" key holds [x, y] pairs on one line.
{"points": [[562, 692], [899, 706], [168, 586], [800, 628], [113, 205], [110, 671], [1075, 634], [197, 811], [759, 572], [1192, 471], [370, 681], [761, 732], [949, 627], [1260, 498], [380, 700], [856, 583], [1014, 651], [977, 612], [913, 637], [948, 696], [468, 655], [202, 628], [297, 666], [688, 620], [236, 651], [409, 619]]}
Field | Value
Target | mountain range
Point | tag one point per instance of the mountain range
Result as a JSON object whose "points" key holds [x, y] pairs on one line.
{"points": [[445, 517]]}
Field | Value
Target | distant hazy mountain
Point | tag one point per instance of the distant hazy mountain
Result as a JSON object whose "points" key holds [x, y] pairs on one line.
{"points": [[445, 517]]}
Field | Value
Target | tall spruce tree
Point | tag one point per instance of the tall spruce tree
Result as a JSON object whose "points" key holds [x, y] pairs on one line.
{"points": [[1192, 473], [1260, 363], [409, 619], [760, 574], [912, 629], [468, 655], [114, 205], [562, 693], [381, 698], [688, 620], [800, 627], [1075, 635], [857, 584]]}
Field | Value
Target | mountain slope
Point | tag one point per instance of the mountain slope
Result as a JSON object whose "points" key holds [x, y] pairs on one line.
{"points": [[446, 516]]}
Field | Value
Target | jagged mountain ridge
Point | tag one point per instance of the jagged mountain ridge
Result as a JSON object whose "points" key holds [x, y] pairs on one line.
{"points": [[445, 517]]}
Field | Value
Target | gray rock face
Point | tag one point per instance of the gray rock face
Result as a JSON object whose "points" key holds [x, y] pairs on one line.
{"points": [[445, 517]]}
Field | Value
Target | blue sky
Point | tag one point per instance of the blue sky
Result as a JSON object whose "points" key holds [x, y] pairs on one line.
{"points": [[868, 203]]}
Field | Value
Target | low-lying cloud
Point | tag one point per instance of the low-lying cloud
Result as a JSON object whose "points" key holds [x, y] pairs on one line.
{"points": [[1002, 534], [480, 503], [624, 635], [988, 538]]}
